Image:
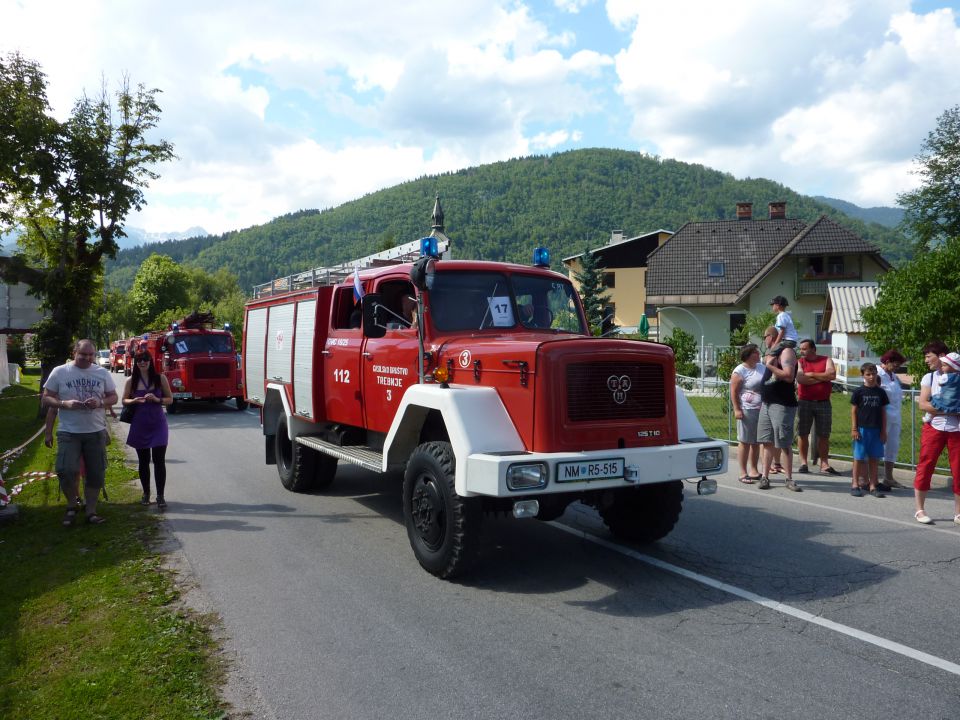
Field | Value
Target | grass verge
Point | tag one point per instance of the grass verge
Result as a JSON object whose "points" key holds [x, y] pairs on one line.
{"points": [[90, 621]]}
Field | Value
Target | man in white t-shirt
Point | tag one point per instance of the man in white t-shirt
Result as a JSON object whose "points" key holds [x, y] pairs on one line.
{"points": [[939, 430], [80, 390]]}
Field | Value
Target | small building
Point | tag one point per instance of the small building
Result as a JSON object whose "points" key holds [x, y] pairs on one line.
{"points": [[624, 263], [841, 319]]}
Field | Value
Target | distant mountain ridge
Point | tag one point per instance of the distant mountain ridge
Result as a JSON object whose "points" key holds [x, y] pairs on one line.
{"points": [[567, 201], [889, 217]]}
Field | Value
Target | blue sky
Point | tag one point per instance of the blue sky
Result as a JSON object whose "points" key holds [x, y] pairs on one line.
{"points": [[274, 107]]}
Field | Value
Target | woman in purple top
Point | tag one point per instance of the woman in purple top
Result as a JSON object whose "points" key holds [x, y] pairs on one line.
{"points": [[148, 391]]}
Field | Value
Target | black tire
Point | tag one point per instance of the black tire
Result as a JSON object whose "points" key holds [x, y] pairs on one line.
{"points": [[300, 468], [443, 527], [241, 404], [174, 407], [644, 514]]}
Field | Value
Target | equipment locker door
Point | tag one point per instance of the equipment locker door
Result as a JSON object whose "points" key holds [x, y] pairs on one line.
{"points": [[340, 364]]}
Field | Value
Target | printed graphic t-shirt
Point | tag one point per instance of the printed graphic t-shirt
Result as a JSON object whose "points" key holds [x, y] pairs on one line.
{"points": [[71, 383]]}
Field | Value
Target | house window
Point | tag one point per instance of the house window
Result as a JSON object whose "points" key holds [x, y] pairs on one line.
{"points": [[610, 280], [821, 332], [715, 269], [835, 265], [737, 320]]}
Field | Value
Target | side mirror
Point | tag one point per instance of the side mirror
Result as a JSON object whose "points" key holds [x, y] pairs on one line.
{"points": [[373, 325]]}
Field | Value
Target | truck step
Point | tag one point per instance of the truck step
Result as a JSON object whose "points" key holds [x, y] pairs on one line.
{"points": [[361, 455]]}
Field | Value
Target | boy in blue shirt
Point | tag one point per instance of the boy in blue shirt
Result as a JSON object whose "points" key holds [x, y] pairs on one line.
{"points": [[868, 427]]}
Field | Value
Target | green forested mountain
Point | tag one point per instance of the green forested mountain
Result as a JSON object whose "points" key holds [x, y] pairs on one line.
{"points": [[568, 201]]}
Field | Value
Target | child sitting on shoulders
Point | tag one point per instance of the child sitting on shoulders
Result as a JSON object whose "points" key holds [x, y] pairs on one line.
{"points": [[868, 427], [948, 399], [786, 332]]}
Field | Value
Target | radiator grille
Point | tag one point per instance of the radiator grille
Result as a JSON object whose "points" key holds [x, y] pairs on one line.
{"points": [[612, 391], [211, 371]]}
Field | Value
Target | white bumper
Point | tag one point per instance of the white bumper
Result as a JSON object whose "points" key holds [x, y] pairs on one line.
{"points": [[486, 474]]}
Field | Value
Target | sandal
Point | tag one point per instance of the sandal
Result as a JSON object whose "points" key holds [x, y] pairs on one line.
{"points": [[921, 517], [69, 517], [746, 479], [96, 519], [777, 468], [161, 504]]}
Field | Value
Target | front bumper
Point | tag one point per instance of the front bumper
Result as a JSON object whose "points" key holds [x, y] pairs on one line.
{"points": [[487, 472]]}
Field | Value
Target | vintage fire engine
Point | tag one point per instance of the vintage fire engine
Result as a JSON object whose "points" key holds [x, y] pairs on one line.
{"points": [[199, 360], [131, 346], [117, 355], [481, 382]]}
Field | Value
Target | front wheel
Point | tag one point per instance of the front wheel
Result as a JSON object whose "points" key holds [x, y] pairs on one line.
{"points": [[643, 514], [443, 527]]}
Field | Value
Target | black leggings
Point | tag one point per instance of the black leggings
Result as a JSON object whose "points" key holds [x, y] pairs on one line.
{"points": [[160, 468]]}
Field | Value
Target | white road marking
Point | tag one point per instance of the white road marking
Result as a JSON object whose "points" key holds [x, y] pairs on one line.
{"points": [[774, 605], [773, 495]]}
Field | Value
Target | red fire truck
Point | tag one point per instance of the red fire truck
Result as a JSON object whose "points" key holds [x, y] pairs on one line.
{"points": [[493, 396], [131, 346], [117, 355], [199, 360]]}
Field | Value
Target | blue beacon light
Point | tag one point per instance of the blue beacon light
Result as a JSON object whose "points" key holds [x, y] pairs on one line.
{"points": [[541, 257], [429, 247]]}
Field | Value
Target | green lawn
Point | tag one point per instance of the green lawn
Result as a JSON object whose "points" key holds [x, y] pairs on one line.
{"points": [[90, 621]]}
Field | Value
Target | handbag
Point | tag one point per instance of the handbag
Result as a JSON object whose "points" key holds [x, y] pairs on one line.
{"points": [[126, 415]]}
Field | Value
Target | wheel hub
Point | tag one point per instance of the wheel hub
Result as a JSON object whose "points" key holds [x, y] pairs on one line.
{"points": [[427, 511]]}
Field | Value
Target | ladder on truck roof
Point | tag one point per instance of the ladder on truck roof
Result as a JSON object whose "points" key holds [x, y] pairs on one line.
{"points": [[335, 274]]}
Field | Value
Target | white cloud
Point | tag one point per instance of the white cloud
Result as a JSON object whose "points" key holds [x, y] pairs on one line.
{"points": [[792, 91], [288, 105]]}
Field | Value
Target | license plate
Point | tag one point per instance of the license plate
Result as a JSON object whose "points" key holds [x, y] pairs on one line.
{"points": [[593, 470], [182, 396]]}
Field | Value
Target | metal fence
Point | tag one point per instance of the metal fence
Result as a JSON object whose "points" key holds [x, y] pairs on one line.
{"points": [[710, 399]]}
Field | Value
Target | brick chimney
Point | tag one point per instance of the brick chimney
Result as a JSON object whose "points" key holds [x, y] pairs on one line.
{"points": [[778, 210], [744, 211]]}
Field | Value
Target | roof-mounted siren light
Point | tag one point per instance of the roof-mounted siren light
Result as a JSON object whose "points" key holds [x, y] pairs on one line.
{"points": [[541, 257], [429, 247], [175, 326], [226, 326], [145, 336]]}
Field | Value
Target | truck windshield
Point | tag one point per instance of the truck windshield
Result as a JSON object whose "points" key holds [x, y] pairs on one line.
{"points": [[476, 300], [187, 344]]}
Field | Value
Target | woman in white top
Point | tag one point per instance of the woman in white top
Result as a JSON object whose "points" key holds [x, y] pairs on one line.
{"points": [[889, 362], [745, 383], [939, 430]]}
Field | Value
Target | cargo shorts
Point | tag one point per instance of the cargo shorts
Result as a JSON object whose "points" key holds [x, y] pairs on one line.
{"points": [[92, 448], [776, 425]]}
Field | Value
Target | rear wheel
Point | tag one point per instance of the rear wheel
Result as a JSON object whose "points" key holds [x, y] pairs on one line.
{"points": [[643, 514], [300, 468], [443, 527], [241, 404]]}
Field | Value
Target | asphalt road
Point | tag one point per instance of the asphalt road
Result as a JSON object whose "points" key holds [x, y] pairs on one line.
{"points": [[759, 604]]}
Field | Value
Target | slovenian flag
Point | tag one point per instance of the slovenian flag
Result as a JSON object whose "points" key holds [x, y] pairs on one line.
{"points": [[357, 285]]}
